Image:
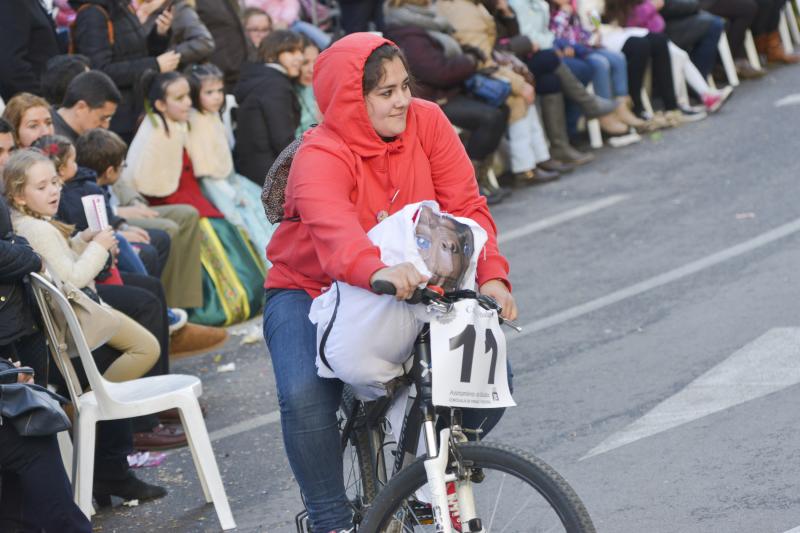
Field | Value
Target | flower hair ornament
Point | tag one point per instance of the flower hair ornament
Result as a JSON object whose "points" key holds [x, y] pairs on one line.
{"points": [[50, 149]]}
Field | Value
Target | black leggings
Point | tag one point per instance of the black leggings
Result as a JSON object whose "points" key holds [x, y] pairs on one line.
{"points": [[652, 49], [36, 494], [740, 15], [485, 123], [543, 65], [768, 16]]}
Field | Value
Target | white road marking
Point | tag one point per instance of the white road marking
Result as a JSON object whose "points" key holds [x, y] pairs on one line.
{"points": [[793, 530], [560, 218], [588, 307], [792, 99], [659, 280], [768, 364]]}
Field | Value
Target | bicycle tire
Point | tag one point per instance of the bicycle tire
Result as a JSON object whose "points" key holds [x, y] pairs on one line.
{"points": [[361, 441], [555, 490]]}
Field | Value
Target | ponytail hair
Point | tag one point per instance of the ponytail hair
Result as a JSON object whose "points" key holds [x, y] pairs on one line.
{"points": [[15, 177], [153, 87]]}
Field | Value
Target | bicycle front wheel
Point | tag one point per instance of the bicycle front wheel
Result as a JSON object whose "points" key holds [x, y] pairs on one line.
{"points": [[512, 491]]}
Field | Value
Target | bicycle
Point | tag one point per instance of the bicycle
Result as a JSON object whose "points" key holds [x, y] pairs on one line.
{"points": [[457, 485]]}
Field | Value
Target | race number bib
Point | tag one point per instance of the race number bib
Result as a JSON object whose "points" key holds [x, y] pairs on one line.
{"points": [[468, 351]]}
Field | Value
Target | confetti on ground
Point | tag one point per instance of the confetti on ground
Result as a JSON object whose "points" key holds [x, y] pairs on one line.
{"points": [[230, 367], [745, 216], [131, 503]]}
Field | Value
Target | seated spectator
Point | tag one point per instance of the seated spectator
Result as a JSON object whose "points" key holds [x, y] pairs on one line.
{"points": [[27, 41], [7, 146], [361, 15], [222, 18], [90, 102], [124, 59], [29, 115], [645, 14], [269, 112], [609, 67], [765, 31], [33, 189], [440, 77], [475, 27], [740, 15], [59, 71], [188, 35], [257, 25], [285, 15], [694, 30], [238, 198], [159, 167], [309, 110]]}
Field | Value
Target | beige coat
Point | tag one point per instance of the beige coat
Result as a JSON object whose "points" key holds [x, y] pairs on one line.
{"points": [[155, 157], [208, 146], [73, 260], [475, 26]]}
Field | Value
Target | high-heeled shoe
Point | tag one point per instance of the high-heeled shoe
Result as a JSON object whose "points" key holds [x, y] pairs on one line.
{"points": [[128, 488]]}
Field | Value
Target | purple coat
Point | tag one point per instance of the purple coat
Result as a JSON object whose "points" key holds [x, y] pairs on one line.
{"points": [[645, 15]]}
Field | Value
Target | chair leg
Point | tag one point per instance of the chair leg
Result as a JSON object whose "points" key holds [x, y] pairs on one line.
{"points": [[783, 30], [65, 446], [205, 462], [725, 54], [750, 48], [593, 126], [83, 469], [792, 20]]}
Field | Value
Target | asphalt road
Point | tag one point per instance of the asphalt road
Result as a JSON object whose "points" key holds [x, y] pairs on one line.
{"points": [[650, 374]]}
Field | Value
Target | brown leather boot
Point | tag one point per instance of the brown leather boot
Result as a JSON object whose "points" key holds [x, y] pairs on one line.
{"points": [[625, 115], [762, 43], [775, 51], [194, 339]]}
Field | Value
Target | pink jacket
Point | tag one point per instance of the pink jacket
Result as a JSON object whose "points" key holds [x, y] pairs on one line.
{"points": [[645, 15], [283, 12]]}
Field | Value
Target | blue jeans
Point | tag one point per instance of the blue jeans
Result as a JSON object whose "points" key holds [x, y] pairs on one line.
{"points": [[610, 76], [704, 53], [128, 260], [321, 39], [308, 405]]}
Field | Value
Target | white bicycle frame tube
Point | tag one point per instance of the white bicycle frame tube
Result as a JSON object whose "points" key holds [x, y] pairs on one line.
{"points": [[435, 469]]}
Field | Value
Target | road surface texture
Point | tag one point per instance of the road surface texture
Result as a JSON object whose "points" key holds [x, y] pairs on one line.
{"points": [[660, 293]]}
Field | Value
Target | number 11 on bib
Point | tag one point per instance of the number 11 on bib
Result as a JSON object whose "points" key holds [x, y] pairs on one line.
{"points": [[468, 352]]}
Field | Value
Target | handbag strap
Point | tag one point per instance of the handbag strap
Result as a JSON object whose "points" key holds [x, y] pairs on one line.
{"points": [[13, 371]]}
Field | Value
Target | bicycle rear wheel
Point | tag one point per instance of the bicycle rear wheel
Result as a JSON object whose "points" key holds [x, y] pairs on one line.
{"points": [[513, 492], [363, 466]]}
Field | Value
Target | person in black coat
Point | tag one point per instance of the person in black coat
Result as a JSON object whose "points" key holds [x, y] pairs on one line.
{"points": [[223, 20], [125, 57], [269, 112], [27, 41]]}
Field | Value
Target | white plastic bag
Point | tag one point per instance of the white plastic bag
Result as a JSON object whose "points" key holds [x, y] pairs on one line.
{"points": [[367, 337]]}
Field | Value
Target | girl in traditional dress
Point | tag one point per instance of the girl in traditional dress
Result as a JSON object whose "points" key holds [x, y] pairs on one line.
{"points": [[160, 168], [238, 198]]}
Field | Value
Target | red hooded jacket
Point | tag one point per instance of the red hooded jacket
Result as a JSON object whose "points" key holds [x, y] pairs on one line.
{"points": [[344, 174]]}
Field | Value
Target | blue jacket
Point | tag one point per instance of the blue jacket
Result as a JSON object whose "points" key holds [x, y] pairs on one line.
{"points": [[70, 209]]}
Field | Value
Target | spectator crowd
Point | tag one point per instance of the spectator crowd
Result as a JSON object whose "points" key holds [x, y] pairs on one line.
{"points": [[173, 111]]}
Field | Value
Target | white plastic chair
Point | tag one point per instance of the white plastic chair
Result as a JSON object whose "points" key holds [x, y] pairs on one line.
{"points": [[783, 31], [227, 118], [792, 20], [750, 49], [113, 401], [593, 127], [726, 56]]}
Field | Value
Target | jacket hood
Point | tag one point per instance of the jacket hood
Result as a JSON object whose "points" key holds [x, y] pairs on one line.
{"points": [[251, 76], [84, 174], [338, 75]]}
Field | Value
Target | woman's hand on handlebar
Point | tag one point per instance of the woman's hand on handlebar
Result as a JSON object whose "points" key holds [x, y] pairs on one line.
{"points": [[498, 290], [405, 278]]}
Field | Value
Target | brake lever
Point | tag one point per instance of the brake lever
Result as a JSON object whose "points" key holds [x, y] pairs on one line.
{"points": [[513, 325]]}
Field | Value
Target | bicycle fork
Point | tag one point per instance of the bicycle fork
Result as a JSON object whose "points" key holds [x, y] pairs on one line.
{"points": [[438, 453]]}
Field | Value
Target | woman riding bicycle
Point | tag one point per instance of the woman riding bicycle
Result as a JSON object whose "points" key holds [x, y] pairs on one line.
{"points": [[377, 150]]}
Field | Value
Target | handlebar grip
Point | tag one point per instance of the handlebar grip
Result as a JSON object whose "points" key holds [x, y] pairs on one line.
{"points": [[381, 286]]}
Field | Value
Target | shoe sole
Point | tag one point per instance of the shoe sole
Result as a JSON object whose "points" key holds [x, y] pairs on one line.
{"points": [[199, 351]]}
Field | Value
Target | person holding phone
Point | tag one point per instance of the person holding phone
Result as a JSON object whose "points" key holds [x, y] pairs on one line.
{"points": [[188, 36]]}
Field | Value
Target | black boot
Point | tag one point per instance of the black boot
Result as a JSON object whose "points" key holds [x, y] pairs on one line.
{"points": [[592, 106], [128, 488], [555, 125], [493, 194]]}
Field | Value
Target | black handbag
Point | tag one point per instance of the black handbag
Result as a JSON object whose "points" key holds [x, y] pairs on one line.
{"points": [[33, 410]]}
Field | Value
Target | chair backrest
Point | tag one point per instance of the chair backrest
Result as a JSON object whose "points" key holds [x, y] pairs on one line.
{"points": [[57, 314], [229, 118]]}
